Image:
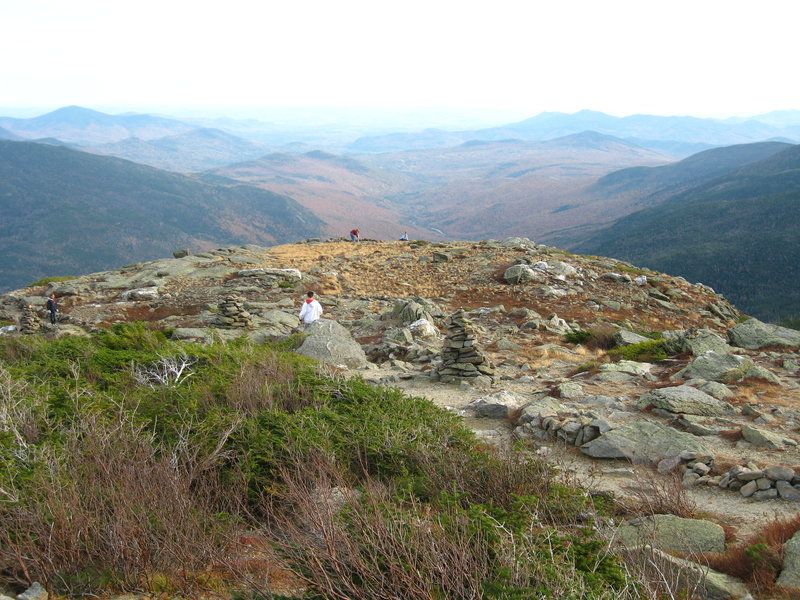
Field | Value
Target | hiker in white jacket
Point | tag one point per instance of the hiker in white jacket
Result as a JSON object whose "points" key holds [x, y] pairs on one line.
{"points": [[311, 311]]}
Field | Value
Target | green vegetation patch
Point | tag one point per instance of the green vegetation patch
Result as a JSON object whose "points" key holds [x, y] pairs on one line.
{"points": [[129, 436], [48, 280], [643, 351]]}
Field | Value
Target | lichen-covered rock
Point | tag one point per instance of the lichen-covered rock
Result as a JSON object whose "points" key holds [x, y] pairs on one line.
{"points": [[673, 534], [642, 442], [718, 367], [790, 571], [686, 399], [329, 342], [754, 335]]}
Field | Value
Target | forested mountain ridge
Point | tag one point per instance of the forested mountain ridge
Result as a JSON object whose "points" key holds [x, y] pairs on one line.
{"points": [[737, 233], [63, 211]]}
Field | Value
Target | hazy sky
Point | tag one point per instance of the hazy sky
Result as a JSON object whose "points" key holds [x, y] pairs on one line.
{"points": [[699, 57]]}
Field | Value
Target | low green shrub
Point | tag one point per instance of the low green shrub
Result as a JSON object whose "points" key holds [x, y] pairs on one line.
{"points": [[641, 352], [579, 336], [133, 458], [48, 280]]}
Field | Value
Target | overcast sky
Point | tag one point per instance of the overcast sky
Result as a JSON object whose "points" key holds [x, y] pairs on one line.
{"points": [[700, 57]]}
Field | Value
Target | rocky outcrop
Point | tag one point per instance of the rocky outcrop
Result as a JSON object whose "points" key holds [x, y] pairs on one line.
{"points": [[754, 335], [329, 342]]}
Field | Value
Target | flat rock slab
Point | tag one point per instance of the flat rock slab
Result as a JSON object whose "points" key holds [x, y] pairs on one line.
{"points": [[686, 399], [643, 442]]}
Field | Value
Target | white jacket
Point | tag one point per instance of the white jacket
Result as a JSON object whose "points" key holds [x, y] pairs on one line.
{"points": [[311, 311]]}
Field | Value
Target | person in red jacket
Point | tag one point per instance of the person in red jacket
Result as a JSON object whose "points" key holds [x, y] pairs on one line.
{"points": [[354, 235]]}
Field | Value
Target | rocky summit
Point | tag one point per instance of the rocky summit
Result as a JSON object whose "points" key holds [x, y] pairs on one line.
{"points": [[602, 367]]}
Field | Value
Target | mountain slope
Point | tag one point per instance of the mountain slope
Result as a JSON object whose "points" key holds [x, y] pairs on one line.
{"points": [[737, 233], [64, 211], [85, 126], [195, 150], [509, 187], [342, 191]]}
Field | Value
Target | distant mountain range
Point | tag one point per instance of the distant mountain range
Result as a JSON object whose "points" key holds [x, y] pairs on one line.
{"points": [[585, 181], [737, 232], [78, 125], [681, 135], [195, 150], [63, 212]]}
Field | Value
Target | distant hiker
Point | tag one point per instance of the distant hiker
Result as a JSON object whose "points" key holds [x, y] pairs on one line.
{"points": [[404, 237], [311, 311], [354, 235], [52, 308]]}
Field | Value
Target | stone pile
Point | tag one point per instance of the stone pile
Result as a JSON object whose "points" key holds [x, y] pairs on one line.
{"points": [[231, 313], [30, 322], [763, 484], [461, 358]]}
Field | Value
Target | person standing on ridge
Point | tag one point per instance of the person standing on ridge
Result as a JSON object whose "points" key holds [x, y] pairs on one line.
{"points": [[354, 235], [311, 310], [52, 308]]}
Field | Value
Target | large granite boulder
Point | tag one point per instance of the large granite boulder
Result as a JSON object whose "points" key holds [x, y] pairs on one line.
{"points": [[695, 341], [714, 366], [643, 442], [329, 342], [766, 439], [753, 335], [499, 405], [702, 581], [520, 274], [686, 399], [673, 534], [790, 572]]}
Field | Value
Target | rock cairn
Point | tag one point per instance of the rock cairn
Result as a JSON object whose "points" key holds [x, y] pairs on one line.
{"points": [[231, 313], [30, 322], [461, 358]]}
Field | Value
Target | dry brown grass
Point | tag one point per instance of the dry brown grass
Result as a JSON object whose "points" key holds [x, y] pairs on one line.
{"points": [[757, 560], [109, 510], [658, 494]]}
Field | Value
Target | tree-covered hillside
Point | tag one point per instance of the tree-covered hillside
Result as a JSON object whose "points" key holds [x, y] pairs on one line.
{"points": [[738, 233], [66, 212]]}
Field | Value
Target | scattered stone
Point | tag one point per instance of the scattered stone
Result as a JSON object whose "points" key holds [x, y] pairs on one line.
{"points": [[35, 592], [499, 405]]}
